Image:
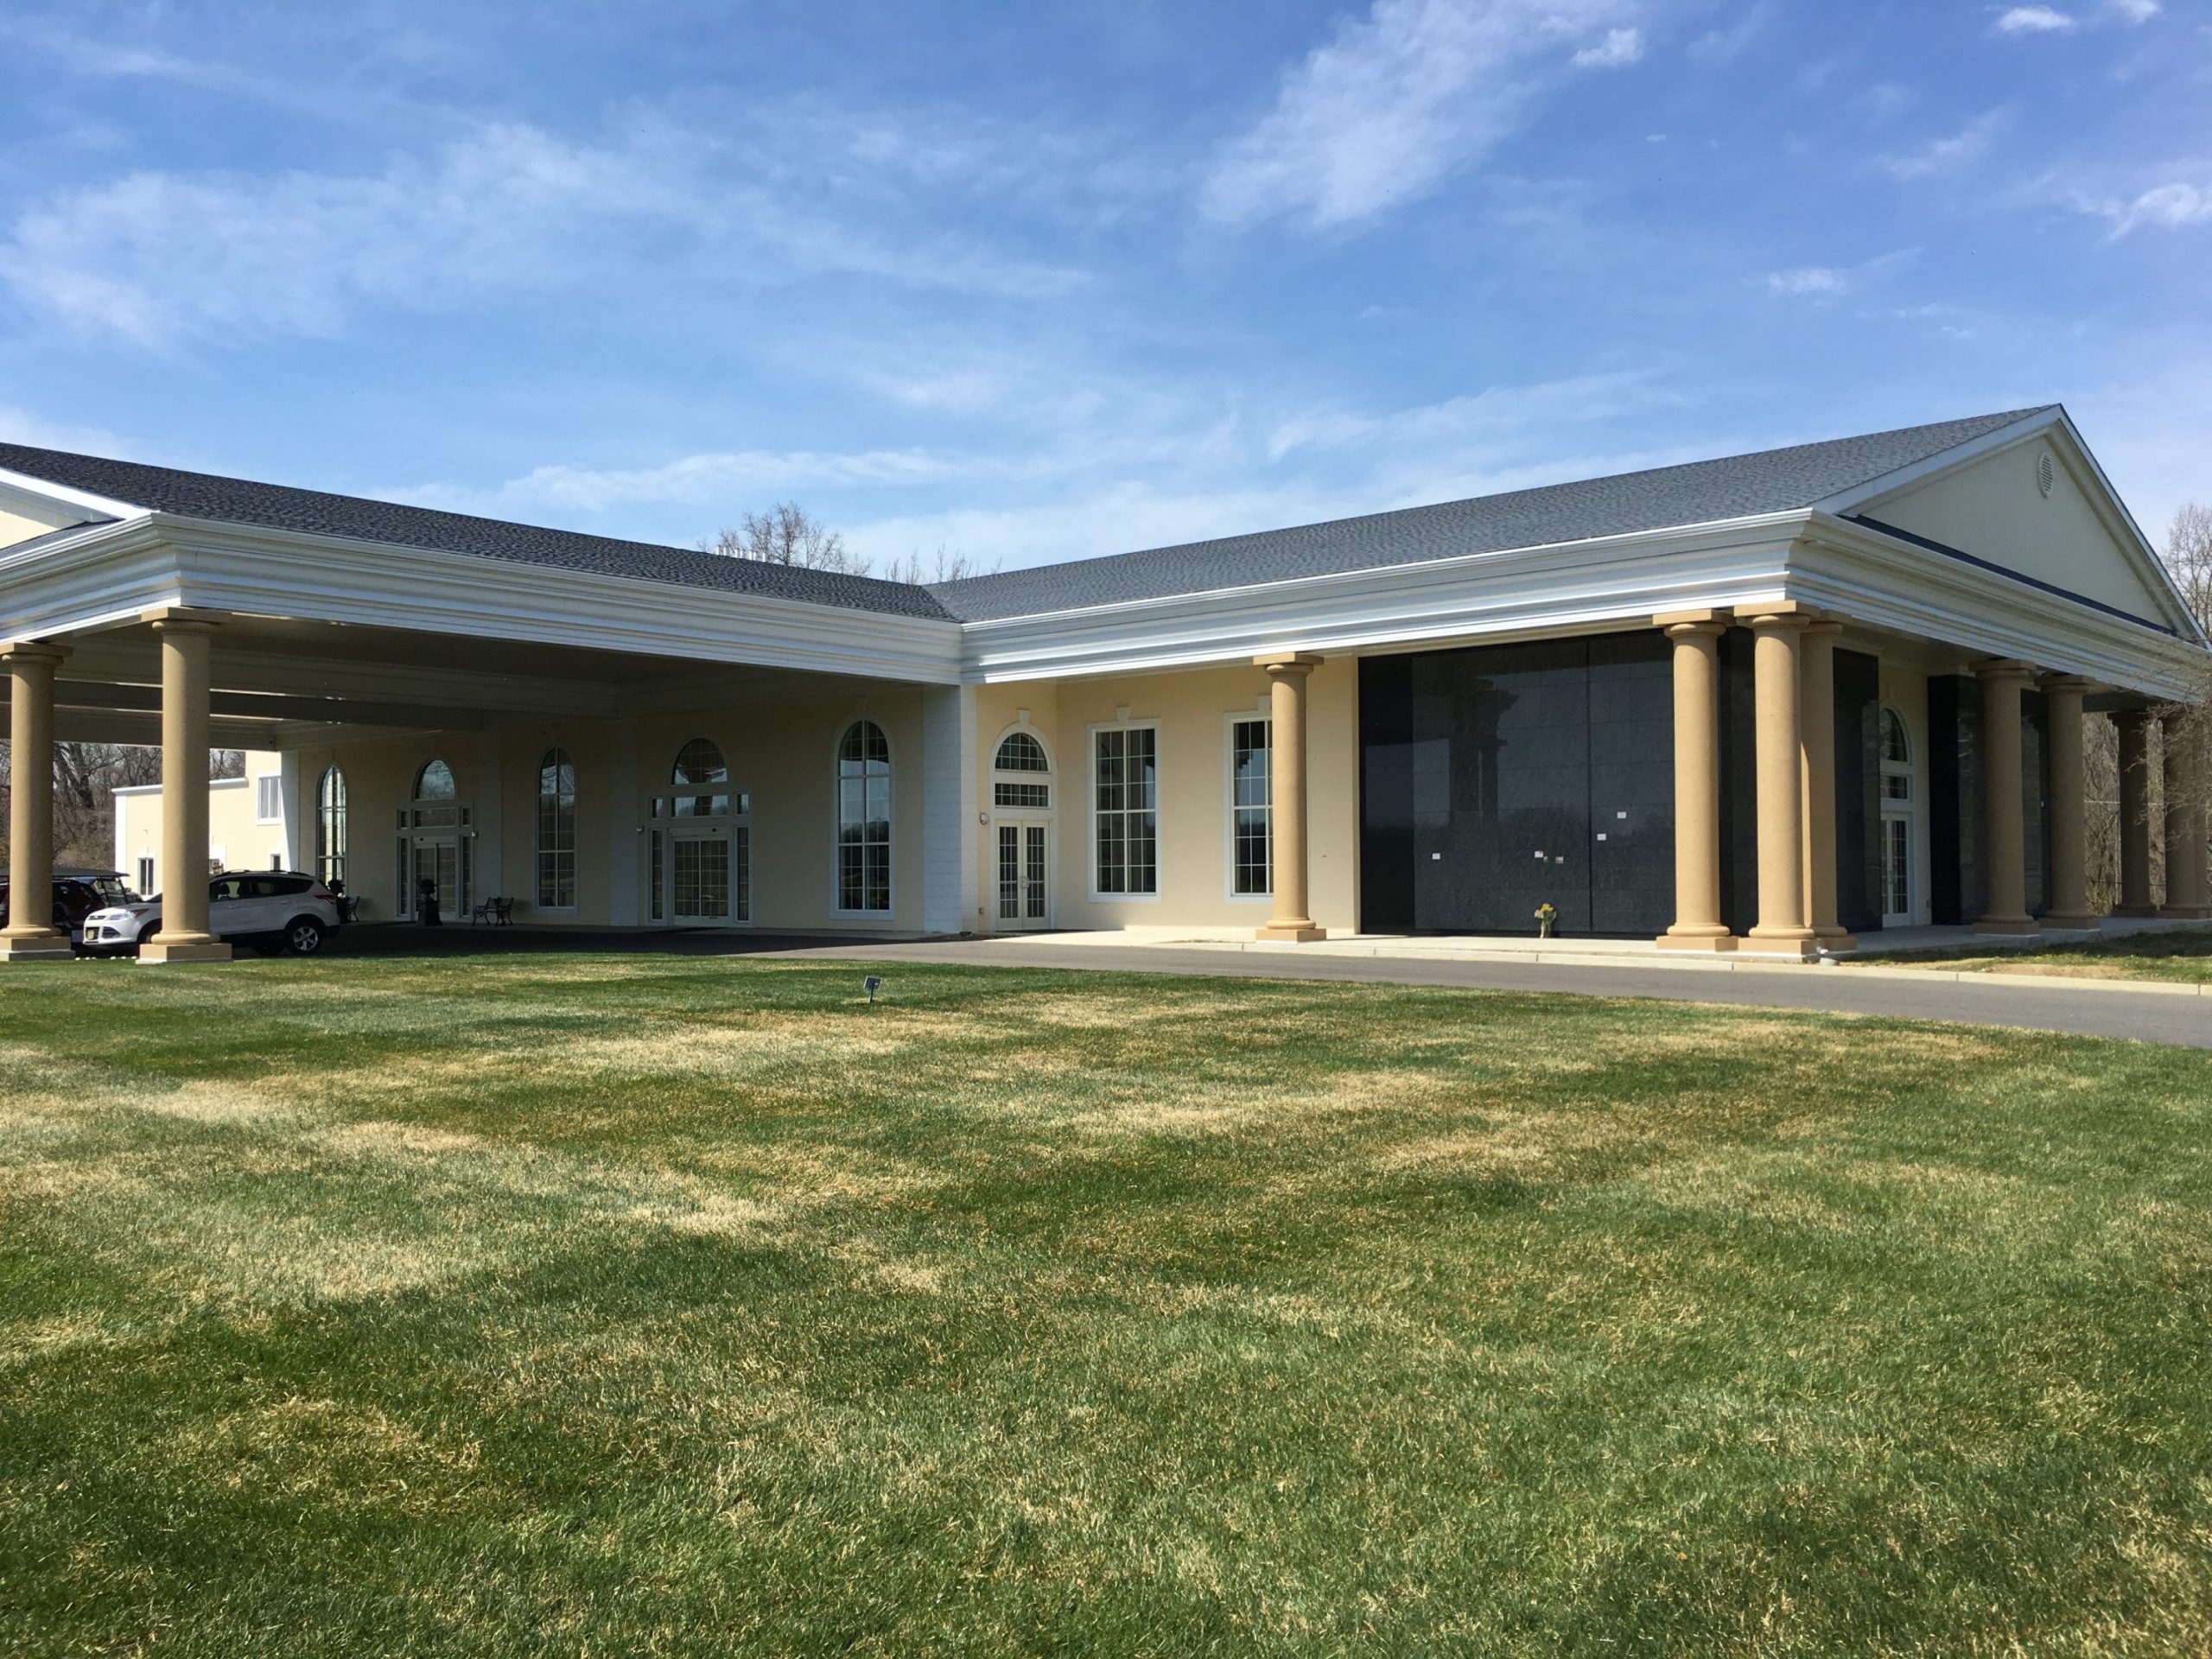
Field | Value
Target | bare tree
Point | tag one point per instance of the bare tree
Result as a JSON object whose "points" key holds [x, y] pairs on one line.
{"points": [[786, 535], [85, 778], [943, 565]]}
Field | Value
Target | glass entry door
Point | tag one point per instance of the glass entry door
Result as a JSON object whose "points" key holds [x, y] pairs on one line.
{"points": [[700, 874], [437, 860], [1024, 877]]}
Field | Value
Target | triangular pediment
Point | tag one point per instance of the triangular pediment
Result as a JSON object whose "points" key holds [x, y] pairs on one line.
{"points": [[31, 508], [2031, 500]]}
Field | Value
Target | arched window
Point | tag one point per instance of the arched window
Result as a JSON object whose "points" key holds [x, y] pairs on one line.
{"points": [[1899, 825], [700, 761], [1030, 789], [556, 831], [435, 783], [330, 828], [864, 818]]}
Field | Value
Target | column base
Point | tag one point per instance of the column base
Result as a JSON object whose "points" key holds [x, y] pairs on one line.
{"points": [[2016, 927], [1291, 932], [2078, 921], [2186, 912], [35, 947], [184, 950], [1697, 938], [1799, 942]]}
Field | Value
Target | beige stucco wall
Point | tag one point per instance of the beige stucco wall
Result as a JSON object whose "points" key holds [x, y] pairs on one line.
{"points": [[15, 527], [1192, 709], [782, 754], [237, 838], [1995, 511]]}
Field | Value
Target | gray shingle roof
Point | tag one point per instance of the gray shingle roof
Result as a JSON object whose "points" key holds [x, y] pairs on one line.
{"points": [[1773, 481], [275, 506]]}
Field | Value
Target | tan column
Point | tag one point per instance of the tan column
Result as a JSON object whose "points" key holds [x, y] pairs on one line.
{"points": [[1287, 676], [1816, 753], [2069, 813], [1781, 925], [2134, 729], [31, 935], [2003, 813], [184, 935], [2184, 821], [1697, 924]]}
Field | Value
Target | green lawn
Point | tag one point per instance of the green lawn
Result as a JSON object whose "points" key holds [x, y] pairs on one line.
{"points": [[625, 1304], [2183, 957]]}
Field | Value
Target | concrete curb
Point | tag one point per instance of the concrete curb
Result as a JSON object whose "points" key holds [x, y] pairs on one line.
{"points": [[1719, 963]]}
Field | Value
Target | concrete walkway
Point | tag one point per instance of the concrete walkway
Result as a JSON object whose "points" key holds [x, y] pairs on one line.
{"points": [[2092, 1008]]}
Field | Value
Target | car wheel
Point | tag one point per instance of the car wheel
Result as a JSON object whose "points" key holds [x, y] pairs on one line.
{"points": [[304, 936]]}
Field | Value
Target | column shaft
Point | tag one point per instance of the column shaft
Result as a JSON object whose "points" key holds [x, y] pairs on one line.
{"points": [[1287, 677], [185, 717], [2069, 837], [1817, 673], [2134, 729], [1697, 924], [2004, 812], [1781, 924], [30, 933], [2184, 819]]}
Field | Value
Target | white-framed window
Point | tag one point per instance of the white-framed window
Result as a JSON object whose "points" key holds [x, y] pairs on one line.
{"points": [[1021, 774], [330, 832], [556, 831], [864, 819], [1125, 810], [146, 888], [1900, 819], [269, 797], [1250, 806]]}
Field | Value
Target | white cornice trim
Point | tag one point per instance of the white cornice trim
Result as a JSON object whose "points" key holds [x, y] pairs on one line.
{"points": [[1602, 582], [1886, 582], [80, 504]]}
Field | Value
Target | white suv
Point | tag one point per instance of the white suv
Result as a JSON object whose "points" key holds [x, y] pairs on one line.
{"points": [[273, 910]]}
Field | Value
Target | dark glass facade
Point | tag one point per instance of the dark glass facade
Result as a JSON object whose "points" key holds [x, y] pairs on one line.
{"points": [[1501, 778], [1959, 884]]}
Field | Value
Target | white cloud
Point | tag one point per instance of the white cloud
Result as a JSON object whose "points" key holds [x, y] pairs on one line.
{"points": [[2034, 20], [2167, 206], [1393, 104], [1620, 48], [1808, 282], [1731, 41], [727, 481], [1833, 282], [2136, 11], [153, 257], [19, 425], [1947, 154]]}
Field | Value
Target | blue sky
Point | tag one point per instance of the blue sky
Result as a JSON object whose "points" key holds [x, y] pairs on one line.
{"points": [[1035, 282]]}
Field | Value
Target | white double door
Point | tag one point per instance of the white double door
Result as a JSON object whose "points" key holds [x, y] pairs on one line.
{"points": [[1022, 863]]}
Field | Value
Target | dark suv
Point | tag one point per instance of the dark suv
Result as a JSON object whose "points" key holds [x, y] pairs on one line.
{"points": [[77, 895]]}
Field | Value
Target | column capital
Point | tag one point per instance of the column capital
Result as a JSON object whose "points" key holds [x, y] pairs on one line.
{"points": [[1287, 661], [2067, 684], [182, 619], [1780, 618], [33, 650], [2132, 719], [1829, 625], [2003, 668], [1709, 620]]}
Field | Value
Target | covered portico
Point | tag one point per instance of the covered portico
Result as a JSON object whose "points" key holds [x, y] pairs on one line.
{"points": [[371, 667]]}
